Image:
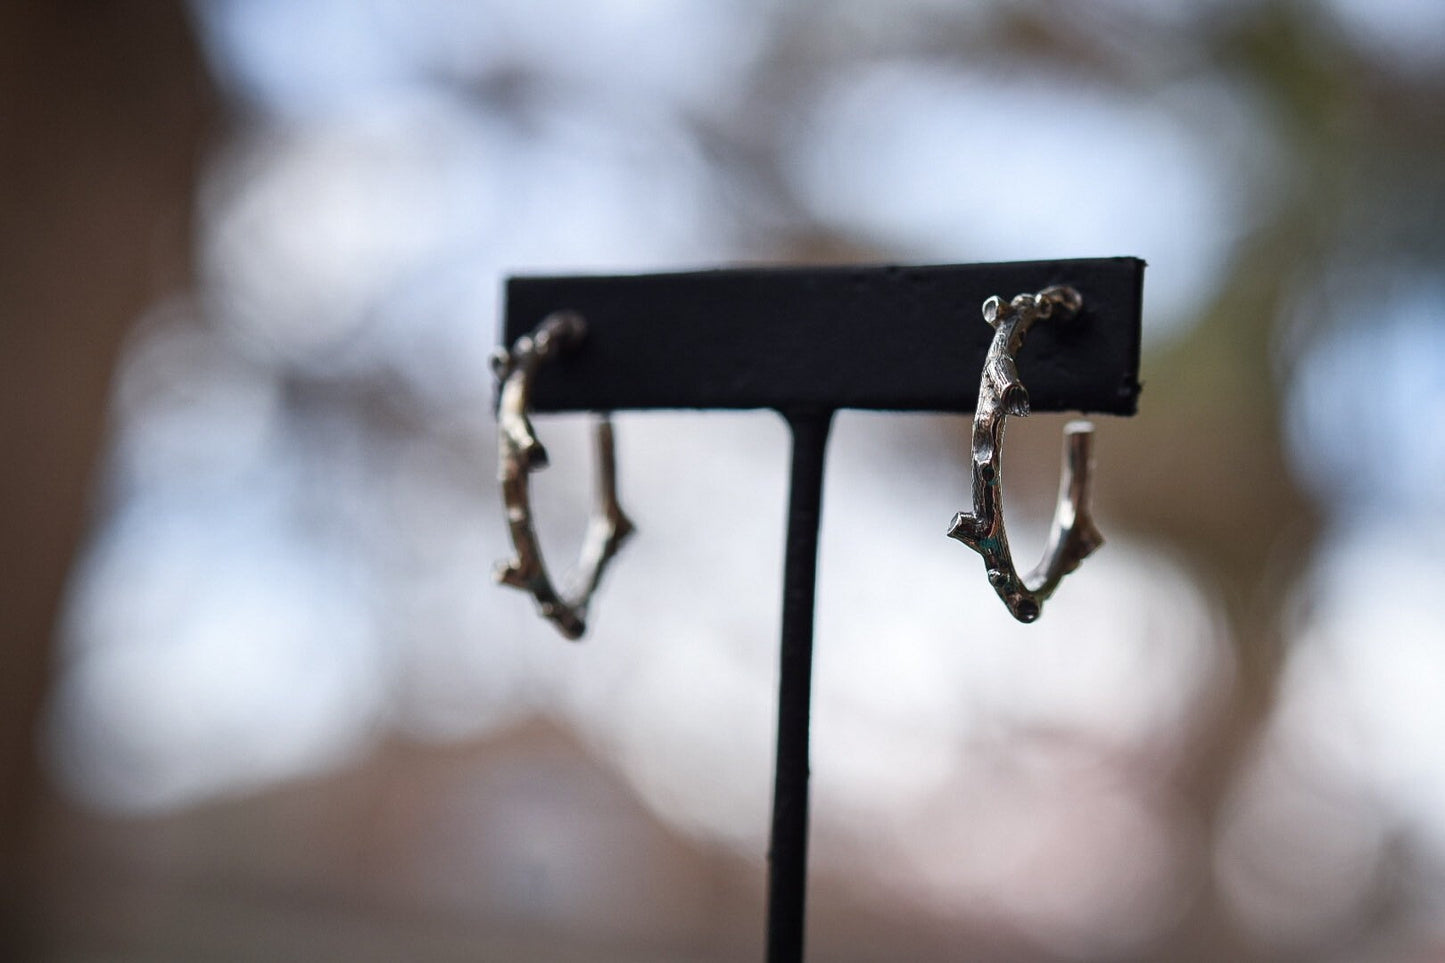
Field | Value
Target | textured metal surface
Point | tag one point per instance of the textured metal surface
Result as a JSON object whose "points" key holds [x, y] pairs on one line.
{"points": [[520, 454], [1001, 393]]}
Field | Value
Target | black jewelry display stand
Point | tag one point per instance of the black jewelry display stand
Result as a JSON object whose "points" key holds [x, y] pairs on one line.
{"points": [[806, 343]]}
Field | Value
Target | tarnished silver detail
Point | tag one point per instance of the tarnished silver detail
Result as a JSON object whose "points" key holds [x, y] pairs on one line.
{"points": [[1001, 393], [520, 453]]}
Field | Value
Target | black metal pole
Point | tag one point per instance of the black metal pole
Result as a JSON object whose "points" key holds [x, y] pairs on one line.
{"points": [[788, 852]]}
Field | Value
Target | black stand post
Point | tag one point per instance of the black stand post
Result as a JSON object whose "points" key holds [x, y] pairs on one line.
{"points": [[809, 342], [788, 853]]}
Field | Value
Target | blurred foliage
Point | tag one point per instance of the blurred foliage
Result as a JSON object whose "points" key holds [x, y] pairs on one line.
{"points": [[1342, 187]]}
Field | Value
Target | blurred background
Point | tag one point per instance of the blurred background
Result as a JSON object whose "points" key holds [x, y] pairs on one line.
{"points": [[261, 700]]}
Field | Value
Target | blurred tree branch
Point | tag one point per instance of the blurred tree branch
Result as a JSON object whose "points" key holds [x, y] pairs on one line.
{"points": [[106, 106]]}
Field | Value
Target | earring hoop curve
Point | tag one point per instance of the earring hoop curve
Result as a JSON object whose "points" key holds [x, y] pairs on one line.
{"points": [[1073, 535], [520, 454]]}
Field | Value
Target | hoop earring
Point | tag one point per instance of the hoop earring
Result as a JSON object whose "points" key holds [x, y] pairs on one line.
{"points": [[520, 453], [1001, 393]]}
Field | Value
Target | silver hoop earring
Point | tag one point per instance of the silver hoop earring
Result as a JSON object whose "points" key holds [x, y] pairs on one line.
{"points": [[1001, 393], [520, 454]]}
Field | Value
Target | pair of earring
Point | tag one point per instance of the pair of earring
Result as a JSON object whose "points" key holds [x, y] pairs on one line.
{"points": [[1001, 393]]}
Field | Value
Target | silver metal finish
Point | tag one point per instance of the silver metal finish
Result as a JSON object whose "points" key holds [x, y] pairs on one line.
{"points": [[520, 453], [1001, 393]]}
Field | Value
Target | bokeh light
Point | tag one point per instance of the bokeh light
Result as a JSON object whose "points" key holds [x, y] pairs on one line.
{"points": [[282, 665]]}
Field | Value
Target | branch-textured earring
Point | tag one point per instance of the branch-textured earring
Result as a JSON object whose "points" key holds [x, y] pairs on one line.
{"points": [[1001, 393], [520, 453]]}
